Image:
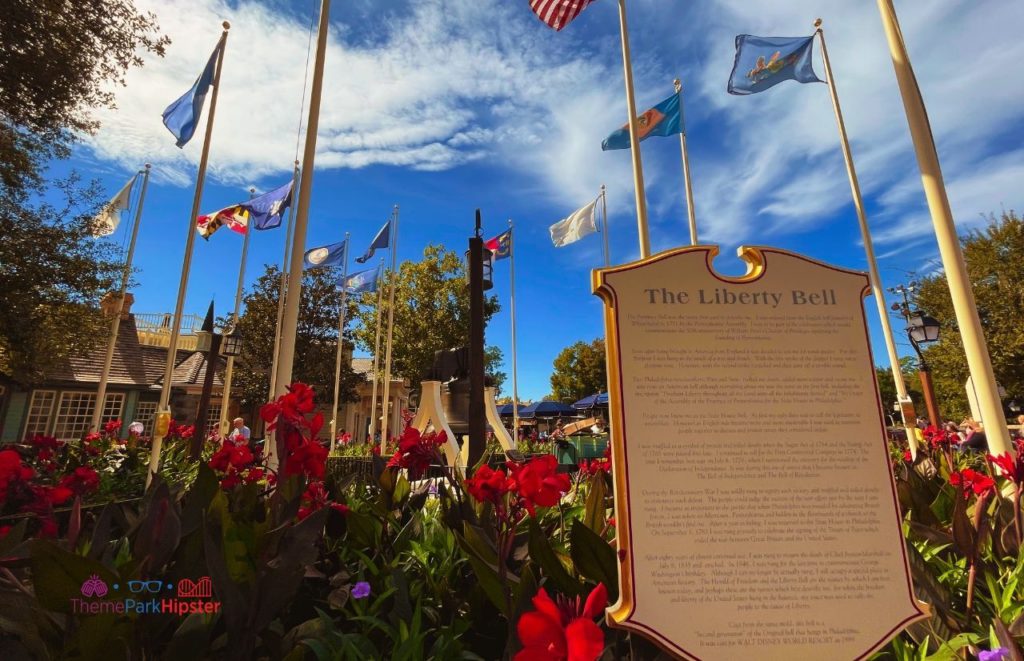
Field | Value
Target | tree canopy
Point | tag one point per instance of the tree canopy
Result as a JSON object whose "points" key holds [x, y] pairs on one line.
{"points": [[580, 370], [315, 339], [431, 313], [52, 276], [58, 61], [887, 387], [995, 267]]}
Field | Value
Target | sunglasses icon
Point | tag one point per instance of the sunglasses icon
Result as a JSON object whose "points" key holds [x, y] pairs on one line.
{"points": [[148, 586]]}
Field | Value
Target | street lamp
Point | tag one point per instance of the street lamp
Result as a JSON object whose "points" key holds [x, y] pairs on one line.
{"points": [[231, 346], [923, 329], [212, 344], [479, 279], [488, 269]]}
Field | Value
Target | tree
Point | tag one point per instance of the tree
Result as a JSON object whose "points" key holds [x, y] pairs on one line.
{"points": [[431, 313], [493, 357], [887, 387], [52, 275], [57, 63], [315, 340], [995, 267], [580, 370]]}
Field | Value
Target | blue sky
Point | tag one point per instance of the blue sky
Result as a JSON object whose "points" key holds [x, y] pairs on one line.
{"points": [[444, 106]]}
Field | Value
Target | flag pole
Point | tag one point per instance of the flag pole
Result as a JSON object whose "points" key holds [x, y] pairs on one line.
{"points": [[186, 265], [391, 327], [691, 214], [634, 140], [229, 368], [115, 325], [290, 319], [341, 342], [515, 371], [376, 361], [604, 213], [978, 360], [282, 288], [906, 404]]}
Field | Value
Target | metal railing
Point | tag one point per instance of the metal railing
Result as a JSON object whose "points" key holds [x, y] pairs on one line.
{"points": [[155, 329]]}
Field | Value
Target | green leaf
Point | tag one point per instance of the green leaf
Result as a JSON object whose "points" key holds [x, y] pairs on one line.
{"points": [[487, 577], [544, 556], [594, 558], [594, 517], [192, 637], [58, 575]]}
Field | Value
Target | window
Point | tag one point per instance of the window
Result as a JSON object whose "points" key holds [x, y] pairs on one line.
{"points": [[144, 412], [40, 409], [213, 418], [74, 414]]}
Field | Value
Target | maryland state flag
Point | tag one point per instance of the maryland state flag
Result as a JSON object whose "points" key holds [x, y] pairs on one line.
{"points": [[235, 217], [666, 118], [763, 62], [500, 245]]}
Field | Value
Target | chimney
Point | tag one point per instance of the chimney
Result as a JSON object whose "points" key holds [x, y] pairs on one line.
{"points": [[109, 304]]}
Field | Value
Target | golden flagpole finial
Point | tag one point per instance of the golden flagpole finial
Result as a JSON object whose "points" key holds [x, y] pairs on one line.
{"points": [[678, 85], [817, 23], [227, 26]]}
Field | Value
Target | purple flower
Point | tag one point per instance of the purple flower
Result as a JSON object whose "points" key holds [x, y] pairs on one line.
{"points": [[362, 589], [998, 654]]}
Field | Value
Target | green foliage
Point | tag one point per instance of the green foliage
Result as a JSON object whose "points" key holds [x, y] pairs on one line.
{"points": [[431, 314], [887, 387], [315, 340], [58, 61], [579, 371], [995, 268], [53, 276]]}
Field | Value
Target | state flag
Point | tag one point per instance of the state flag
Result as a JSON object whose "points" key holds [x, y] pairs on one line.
{"points": [[328, 255], [235, 217], [360, 281], [575, 227], [666, 118], [763, 62], [266, 210], [182, 116], [382, 240], [500, 245], [106, 221]]}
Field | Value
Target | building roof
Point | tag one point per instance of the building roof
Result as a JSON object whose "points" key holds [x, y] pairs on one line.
{"points": [[134, 364]]}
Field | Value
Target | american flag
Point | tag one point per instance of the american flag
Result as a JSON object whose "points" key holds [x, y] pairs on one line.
{"points": [[558, 13]]}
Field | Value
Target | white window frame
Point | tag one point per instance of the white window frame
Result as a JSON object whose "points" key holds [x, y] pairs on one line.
{"points": [[73, 424], [47, 417]]}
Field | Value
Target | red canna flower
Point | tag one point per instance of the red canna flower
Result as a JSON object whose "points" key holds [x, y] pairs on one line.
{"points": [[84, 480], [489, 485], [112, 427], [539, 484], [416, 452], [1010, 466], [308, 458], [562, 630], [12, 473], [315, 498], [970, 480], [292, 406]]}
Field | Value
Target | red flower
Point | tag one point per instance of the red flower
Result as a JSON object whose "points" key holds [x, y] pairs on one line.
{"points": [[308, 458], [416, 452], [254, 475], [971, 480], [594, 467], [231, 456], [315, 498], [84, 480], [12, 472], [112, 427], [563, 630], [539, 484], [292, 406], [489, 485], [1011, 467]]}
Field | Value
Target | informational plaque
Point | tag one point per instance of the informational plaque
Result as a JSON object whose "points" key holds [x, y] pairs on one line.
{"points": [[757, 515]]}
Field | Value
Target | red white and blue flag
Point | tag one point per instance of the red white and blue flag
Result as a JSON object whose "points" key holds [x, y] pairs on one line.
{"points": [[500, 245], [558, 13]]}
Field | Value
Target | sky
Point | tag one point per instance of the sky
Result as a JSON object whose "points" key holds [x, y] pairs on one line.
{"points": [[446, 106]]}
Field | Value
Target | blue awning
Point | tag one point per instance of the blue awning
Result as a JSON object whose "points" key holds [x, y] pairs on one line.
{"points": [[506, 410], [547, 410], [593, 401]]}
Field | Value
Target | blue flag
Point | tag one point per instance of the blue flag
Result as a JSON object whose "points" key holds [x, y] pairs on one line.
{"points": [[265, 211], [324, 255], [182, 116], [379, 241], [666, 118], [360, 281], [762, 62]]}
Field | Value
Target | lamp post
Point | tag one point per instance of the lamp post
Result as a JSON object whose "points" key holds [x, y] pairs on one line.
{"points": [[213, 344], [922, 329], [480, 274]]}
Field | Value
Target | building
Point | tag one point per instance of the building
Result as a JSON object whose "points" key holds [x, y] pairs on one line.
{"points": [[354, 417], [62, 405]]}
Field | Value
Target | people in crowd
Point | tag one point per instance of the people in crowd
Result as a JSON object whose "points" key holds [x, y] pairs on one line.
{"points": [[239, 434], [975, 439]]}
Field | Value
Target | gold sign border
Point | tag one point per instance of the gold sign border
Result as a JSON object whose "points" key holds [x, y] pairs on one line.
{"points": [[619, 614]]}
